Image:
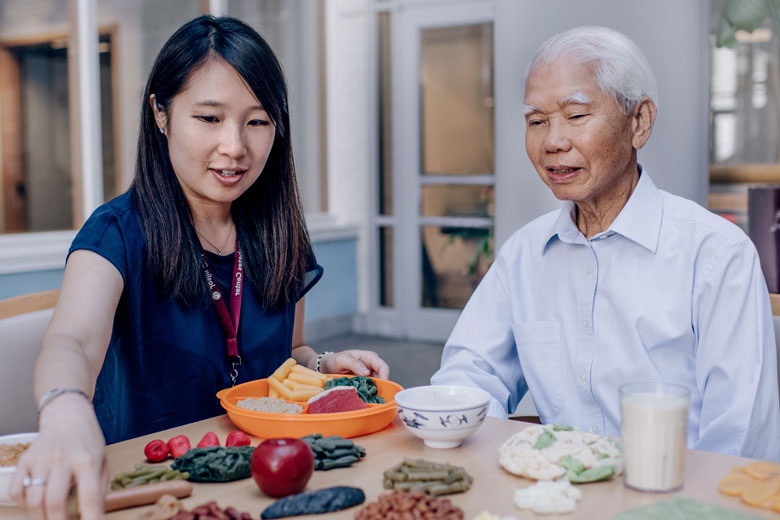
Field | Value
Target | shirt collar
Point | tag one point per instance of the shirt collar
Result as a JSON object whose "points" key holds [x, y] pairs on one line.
{"points": [[639, 220]]}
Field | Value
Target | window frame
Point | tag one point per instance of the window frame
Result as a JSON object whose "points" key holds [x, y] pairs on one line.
{"points": [[29, 252]]}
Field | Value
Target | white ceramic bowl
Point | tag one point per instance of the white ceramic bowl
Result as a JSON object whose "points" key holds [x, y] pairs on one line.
{"points": [[7, 471], [442, 415]]}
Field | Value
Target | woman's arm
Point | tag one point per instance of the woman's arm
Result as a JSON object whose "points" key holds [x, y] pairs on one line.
{"points": [[301, 352], [358, 362], [70, 445]]}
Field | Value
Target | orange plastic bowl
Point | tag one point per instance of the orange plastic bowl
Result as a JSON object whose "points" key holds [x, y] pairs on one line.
{"points": [[346, 424]]}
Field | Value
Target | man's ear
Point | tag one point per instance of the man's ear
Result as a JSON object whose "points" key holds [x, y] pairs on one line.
{"points": [[642, 119], [160, 116]]}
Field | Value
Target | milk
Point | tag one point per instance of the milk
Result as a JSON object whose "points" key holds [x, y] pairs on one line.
{"points": [[654, 428]]}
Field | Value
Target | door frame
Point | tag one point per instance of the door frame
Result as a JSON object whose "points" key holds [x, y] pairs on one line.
{"points": [[407, 318]]}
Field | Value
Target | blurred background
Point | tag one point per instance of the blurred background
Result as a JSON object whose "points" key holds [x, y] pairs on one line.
{"points": [[407, 127]]}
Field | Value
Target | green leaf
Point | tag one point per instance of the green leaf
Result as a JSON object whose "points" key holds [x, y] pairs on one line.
{"points": [[571, 464], [726, 36], [562, 428], [546, 439], [746, 14], [592, 475]]}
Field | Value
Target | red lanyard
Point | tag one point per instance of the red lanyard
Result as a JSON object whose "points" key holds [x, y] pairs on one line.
{"points": [[228, 318]]}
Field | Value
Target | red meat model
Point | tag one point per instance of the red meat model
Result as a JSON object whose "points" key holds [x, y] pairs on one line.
{"points": [[337, 399]]}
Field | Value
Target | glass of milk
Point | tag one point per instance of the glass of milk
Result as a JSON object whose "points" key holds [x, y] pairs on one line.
{"points": [[654, 426]]}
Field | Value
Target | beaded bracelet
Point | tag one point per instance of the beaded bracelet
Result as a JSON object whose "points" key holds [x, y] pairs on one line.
{"points": [[319, 359]]}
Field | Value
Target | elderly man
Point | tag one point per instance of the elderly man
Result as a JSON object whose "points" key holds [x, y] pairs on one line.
{"points": [[625, 282]]}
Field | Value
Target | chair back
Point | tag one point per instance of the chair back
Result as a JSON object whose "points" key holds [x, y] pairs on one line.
{"points": [[775, 301], [23, 322]]}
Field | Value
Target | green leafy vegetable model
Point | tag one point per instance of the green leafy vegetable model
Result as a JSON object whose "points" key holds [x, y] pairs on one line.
{"points": [[366, 388], [545, 440], [216, 463]]}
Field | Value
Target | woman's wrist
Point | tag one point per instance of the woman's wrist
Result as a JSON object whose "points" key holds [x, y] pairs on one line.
{"points": [[64, 409], [319, 364], [55, 393]]}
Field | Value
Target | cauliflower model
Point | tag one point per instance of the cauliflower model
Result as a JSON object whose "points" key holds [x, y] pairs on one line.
{"points": [[549, 452], [548, 497]]}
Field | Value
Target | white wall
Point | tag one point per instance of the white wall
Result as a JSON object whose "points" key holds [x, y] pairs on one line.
{"points": [[673, 34], [348, 47]]}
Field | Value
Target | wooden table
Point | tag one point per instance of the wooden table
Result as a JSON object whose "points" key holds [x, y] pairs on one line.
{"points": [[492, 490]]}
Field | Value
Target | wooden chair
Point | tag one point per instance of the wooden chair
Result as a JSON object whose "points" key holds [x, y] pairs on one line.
{"points": [[23, 322]]}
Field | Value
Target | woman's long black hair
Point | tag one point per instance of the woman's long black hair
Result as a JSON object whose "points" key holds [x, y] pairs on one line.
{"points": [[268, 216]]}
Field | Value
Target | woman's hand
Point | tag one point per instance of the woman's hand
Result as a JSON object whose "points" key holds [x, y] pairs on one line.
{"points": [[358, 362], [69, 450]]}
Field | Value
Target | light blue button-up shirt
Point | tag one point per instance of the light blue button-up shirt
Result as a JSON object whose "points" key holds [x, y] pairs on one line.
{"points": [[670, 292]]}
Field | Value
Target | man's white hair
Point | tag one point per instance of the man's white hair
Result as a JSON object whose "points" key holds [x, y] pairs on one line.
{"points": [[620, 68]]}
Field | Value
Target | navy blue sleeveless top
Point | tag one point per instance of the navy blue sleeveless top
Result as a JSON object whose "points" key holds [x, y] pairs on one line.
{"points": [[166, 361]]}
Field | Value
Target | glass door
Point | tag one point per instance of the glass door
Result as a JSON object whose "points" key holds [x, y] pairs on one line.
{"points": [[439, 243]]}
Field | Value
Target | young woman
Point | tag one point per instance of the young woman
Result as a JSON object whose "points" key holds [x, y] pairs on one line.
{"points": [[190, 282]]}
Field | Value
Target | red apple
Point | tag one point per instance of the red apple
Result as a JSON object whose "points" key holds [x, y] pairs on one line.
{"points": [[282, 467]]}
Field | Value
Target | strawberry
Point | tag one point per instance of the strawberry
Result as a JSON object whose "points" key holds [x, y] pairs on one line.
{"points": [[237, 438], [210, 439], [179, 445]]}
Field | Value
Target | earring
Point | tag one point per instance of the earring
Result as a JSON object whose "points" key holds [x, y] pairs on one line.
{"points": [[162, 131]]}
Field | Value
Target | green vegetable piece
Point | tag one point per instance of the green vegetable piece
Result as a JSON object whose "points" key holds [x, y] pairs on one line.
{"points": [[592, 475], [316, 502], [395, 476], [331, 443], [545, 440], [341, 462], [572, 464], [341, 452], [216, 463], [428, 475], [562, 428]]}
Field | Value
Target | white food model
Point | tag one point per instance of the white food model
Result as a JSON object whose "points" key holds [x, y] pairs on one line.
{"points": [[551, 452]]}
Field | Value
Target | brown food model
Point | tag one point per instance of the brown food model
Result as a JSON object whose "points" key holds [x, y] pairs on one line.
{"points": [[337, 399], [147, 494], [411, 505], [10, 453]]}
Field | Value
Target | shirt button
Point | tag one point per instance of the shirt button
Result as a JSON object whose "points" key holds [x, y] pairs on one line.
{"points": [[590, 270], [595, 429], [585, 324], [582, 376]]}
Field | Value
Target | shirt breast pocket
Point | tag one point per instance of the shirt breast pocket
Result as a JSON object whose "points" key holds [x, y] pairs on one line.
{"points": [[539, 346]]}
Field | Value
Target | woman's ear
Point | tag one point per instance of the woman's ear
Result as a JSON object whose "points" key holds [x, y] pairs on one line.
{"points": [[160, 116], [642, 120]]}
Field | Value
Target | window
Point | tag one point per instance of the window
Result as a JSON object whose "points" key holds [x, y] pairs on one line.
{"points": [[745, 99], [44, 188], [37, 170]]}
